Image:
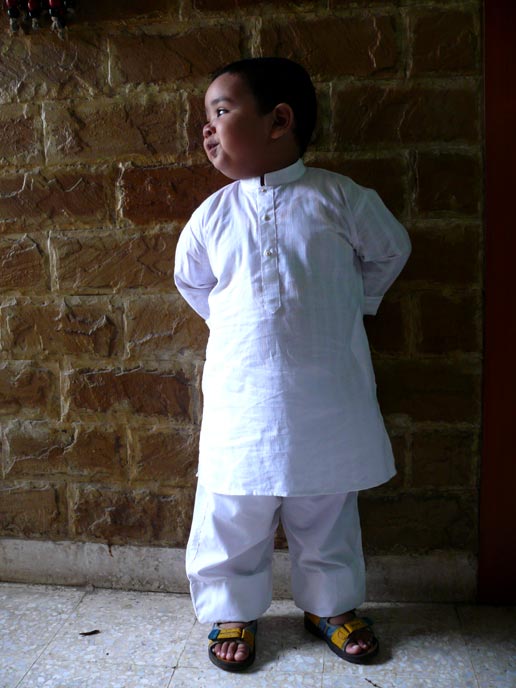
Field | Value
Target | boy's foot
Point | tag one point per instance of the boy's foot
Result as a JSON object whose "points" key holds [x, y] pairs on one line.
{"points": [[346, 635], [231, 645], [230, 650], [363, 640]]}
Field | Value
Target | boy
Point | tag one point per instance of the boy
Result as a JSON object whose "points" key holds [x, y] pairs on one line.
{"points": [[283, 264]]}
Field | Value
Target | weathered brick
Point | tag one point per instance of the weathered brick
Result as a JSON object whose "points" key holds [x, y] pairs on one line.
{"points": [[20, 135], [449, 183], [417, 523], [429, 390], [23, 264], [111, 129], [139, 392], [386, 330], [145, 58], [28, 390], [444, 458], [444, 41], [336, 46], [113, 262], [74, 326], [449, 323], [168, 456], [162, 327], [385, 175], [163, 194], [32, 510], [228, 5], [128, 9], [195, 120], [39, 449], [372, 114], [47, 198], [45, 67], [132, 516], [445, 255]]}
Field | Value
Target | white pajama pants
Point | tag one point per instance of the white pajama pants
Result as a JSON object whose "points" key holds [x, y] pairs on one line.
{"points": [[229, 554]]}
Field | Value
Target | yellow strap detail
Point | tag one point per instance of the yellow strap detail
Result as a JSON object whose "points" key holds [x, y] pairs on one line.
{"points": [[340, 636], [237, 634]]}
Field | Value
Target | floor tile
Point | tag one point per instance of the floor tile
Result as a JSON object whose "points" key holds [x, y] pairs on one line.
{"points": [[12, 670], [29, 619], [210, 678], [396, 681], [51, 674]]}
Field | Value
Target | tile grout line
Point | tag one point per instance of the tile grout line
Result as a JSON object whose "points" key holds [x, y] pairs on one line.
{"points": [[462, 635], [51, 640]]}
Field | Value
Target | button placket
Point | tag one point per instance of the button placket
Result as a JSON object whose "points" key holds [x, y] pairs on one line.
{"points": [[269, 250]]}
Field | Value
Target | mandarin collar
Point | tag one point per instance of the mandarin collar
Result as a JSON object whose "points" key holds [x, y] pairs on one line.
{"points": [[286, 175]]}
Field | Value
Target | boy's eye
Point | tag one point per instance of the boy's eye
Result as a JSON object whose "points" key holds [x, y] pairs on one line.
{"points": [[220, 111]]}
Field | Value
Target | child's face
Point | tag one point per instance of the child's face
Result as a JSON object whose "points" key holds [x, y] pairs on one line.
{"points": [[236, 135]]}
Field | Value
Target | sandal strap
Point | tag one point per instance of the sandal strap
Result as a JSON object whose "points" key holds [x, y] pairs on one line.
{"points": [[342, 634], [243, 635]]}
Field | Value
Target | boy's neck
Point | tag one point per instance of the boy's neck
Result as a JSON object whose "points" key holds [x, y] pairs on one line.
{"points": [[275, 168]]}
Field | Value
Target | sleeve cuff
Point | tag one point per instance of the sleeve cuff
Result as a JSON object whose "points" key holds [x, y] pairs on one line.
{"points": [[371, 304]]}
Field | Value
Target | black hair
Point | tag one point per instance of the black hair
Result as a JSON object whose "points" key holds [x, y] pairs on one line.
{"points": [[274, 80]]}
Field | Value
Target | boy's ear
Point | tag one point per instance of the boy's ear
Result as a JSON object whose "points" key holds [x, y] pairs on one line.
{"points": [[283, 120]]}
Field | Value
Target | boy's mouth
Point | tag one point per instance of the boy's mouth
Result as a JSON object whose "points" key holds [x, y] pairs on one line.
{"points": [[209, 146]]}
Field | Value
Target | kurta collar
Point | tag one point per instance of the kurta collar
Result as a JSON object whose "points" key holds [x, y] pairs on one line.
{"points": [[286, 175]]}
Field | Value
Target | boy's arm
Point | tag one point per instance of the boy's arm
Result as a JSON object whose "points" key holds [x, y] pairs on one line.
{"points": [[382, 246], [192, 274]]}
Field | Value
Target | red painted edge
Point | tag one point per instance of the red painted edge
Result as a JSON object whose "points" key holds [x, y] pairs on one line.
{"points": [[497, 537]]}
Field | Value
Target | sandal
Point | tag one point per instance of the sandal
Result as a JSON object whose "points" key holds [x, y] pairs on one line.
{"points": [[241, 635], [338, 637]]}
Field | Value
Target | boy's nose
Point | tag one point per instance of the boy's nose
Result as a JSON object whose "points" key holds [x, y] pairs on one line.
{"points": [[207, 130]]}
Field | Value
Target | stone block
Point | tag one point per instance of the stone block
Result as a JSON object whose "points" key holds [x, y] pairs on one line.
{"points": [[42, 449], [49, 198], [429, 390], [28, 390], [336, 46], [171, 58], [450, 323], [448, 183], [386, 331], [112, 129], [445, 255], [419, 523], [113, 262], [124, 516], [444, 41], [20, 135], [128, 9], [162, 327], [195, 120], [372, 114], [136, 392], [385, 175], [72, 326], [167, 456], [23, 264], [164, 194], [32, 510], [43, 67], [444, 458]]}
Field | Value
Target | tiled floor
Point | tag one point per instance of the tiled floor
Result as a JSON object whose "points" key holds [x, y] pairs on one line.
{"points": [[152, 640]]}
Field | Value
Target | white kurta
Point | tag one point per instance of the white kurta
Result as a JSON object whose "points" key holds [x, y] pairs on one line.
{"points": [[283, 272]]}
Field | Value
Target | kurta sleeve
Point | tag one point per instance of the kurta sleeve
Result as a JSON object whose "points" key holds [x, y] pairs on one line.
{"points": [[382, 246], [193, 274]]}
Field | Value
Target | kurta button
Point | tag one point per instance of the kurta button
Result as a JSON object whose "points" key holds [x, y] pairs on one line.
{"points": [[268, 252], [266, 218]]}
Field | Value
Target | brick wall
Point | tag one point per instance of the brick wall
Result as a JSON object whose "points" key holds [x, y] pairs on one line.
{"points": [[101, 360]]}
